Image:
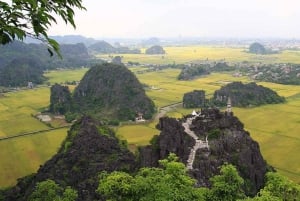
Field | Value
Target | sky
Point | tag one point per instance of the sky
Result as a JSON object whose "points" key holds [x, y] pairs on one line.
{"points": [[185, 18]]}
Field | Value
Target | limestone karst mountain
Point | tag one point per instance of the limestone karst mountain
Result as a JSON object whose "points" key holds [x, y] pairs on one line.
{"points": [[88, 149], [243, 95], [156, 49], [203, 141], [257, 48], [227, 141], [112, 91]]}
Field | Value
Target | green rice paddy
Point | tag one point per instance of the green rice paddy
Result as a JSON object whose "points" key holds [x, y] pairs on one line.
{"points": [[275, 127]]}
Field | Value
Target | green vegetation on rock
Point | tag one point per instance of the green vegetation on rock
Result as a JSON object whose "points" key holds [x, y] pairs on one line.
{"points": [[60, 99], [243, 95], [74, 55], [191, 72], [113, 92], [194, 99]]}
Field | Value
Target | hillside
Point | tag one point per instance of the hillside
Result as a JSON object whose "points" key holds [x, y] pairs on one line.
{"points": [[107, 91], [20, 71], [78, 166], [104, 47], [257, 48], [92, 148], [243, 95], [227, 140], [156, 49], [74, 55]]}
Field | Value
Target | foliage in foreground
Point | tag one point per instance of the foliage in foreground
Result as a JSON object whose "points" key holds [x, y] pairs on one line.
{"points": [[50, 191], [33, 18], [171, 182]]}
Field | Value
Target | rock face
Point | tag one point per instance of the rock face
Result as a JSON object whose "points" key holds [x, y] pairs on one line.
{"points": [[60, 99], [228, 142], [257, 48], [194, 99], [156, 49], [88, 149], [243, 95], [172, 139], [112, 91]]}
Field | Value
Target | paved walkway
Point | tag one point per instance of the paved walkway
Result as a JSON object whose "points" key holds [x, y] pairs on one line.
{"points": [[198, 145]]}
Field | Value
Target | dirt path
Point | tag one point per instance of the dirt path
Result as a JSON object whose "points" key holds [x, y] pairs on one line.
{"points": [[163, 110], [33, 133]]}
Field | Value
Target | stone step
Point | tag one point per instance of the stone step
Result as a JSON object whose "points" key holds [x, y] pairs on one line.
{"points": [[198, 145]]}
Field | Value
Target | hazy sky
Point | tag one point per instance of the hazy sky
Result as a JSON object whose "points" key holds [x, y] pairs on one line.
{"points": [[174, 18]]}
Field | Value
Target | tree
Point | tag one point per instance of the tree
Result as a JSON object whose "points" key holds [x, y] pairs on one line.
{"points": [[50, 191], [227, 186], [278, 188], [22, 18], [170, 182]]}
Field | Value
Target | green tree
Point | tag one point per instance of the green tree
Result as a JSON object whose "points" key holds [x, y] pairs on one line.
{"points": [[50, 191], [278, 188], [22, 18], [69, 194], [227, 186], [170, 182], [263, 196], [281, 187]]}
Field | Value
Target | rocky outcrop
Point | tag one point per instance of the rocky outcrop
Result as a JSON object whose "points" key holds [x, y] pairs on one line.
{"points": [[60, 99], [194, 99], [192, 72], [228, 143], [117, 60], [113, 92], [172, 139], [88, 149], [156, 49], [243, 95]]}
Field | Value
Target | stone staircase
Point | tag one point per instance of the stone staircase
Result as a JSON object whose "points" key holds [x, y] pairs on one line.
{"points": [[198, 145]]}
